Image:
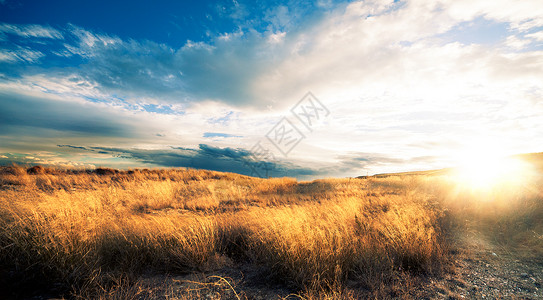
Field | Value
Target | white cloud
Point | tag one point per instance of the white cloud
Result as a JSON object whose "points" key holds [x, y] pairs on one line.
{"points": [[276, 38], [517, 43], [20, 54], [90, 43], [392, 86], [538, 36], [425, 90], [30, 31], [521, 15]]}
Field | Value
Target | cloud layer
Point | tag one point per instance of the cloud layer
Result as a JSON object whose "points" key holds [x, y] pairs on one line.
{"points": [[408, 84]]}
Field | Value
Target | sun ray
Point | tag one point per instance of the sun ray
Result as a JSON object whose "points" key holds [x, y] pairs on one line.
{"points": [[484, 168]]}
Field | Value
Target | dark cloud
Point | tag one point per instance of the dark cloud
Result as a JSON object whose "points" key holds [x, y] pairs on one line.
{"points": [[223, 152], [74, 147], [207, 157], [22, 114]]}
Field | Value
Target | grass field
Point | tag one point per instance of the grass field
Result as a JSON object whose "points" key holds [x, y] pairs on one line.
{"points": [[104, 233]]}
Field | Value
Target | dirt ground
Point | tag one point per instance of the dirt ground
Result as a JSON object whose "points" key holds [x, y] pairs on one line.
{"points": [[485, 270]]}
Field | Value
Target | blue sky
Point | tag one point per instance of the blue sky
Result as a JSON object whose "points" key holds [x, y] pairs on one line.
{"points": [[406, 84]]}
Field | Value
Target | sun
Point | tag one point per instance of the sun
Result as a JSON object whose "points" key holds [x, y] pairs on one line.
{"points": [[483, 168]]}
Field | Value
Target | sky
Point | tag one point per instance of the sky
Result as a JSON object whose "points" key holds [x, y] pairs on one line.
{"points": [[307, 89]]}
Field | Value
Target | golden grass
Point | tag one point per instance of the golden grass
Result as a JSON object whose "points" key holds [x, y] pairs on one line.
{"points": [[86, 231]]}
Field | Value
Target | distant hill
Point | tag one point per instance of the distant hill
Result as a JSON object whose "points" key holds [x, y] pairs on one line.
{"points": [[411, 173], [534, 158]]}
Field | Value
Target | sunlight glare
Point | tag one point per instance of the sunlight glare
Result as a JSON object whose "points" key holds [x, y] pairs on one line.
{"points": [[485, 169]]}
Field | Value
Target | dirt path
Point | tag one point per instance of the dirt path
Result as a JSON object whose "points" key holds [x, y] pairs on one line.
{"points": [[483, 270]]}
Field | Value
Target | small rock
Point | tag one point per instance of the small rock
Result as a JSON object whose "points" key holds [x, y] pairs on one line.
{"points": [[494, 254], [524, 275]]}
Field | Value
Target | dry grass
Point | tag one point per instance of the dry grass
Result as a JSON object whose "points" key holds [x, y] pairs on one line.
{"points": [[93, 234]]}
